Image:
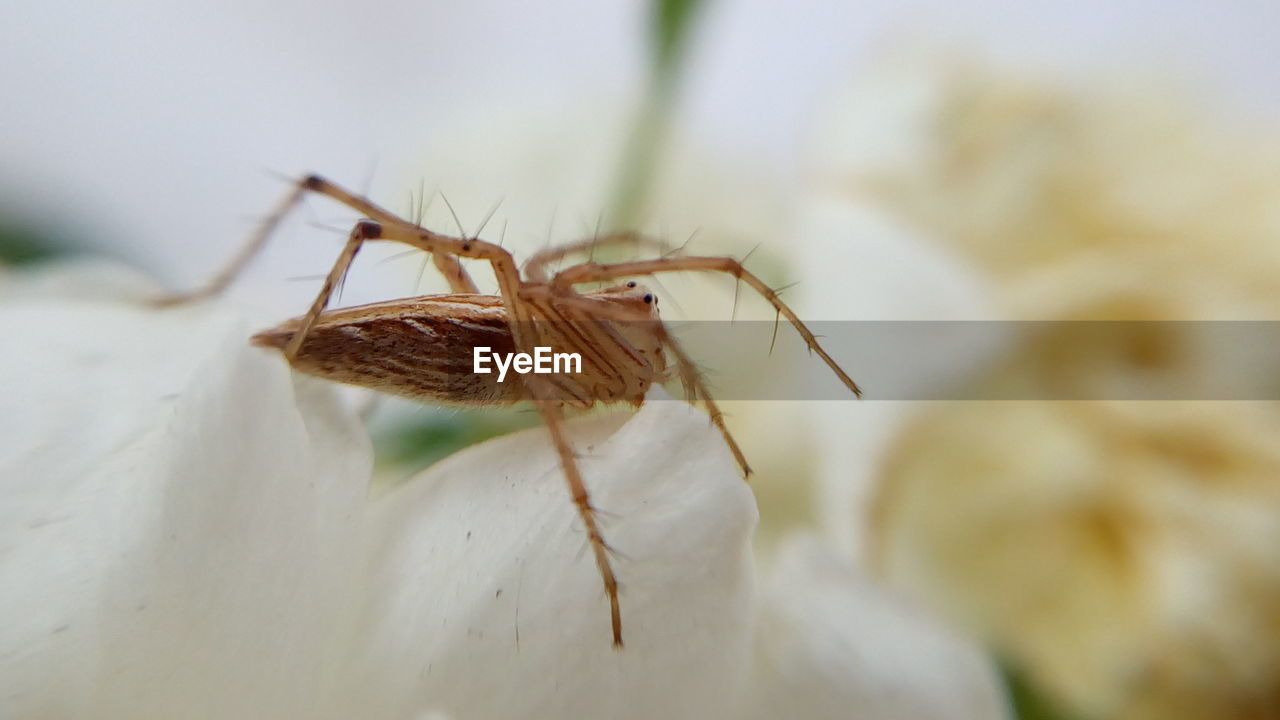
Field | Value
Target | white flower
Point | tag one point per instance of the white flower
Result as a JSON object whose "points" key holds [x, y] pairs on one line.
{"points": [[176, 518], [1121, 555], [831, 643], [187, 533]]}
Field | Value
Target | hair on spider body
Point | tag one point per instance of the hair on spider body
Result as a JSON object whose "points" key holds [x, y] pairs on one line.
{"points": [[417, 347]]}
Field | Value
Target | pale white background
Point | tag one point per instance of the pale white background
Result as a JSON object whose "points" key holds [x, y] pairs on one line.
{"points": [[152, 127]]}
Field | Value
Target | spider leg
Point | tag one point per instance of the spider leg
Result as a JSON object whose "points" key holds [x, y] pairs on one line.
{"points": [[535, 268], [361, 232], [384, 225], [247, 252], [553, 415], [595, 272], [691, 380], [690, 377], [449, 265]]}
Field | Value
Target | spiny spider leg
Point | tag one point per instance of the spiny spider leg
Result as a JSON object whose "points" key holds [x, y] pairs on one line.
{"points": [[595, 272]]}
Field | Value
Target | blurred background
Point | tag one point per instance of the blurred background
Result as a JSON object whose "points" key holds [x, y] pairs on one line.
{"points": [[904, 161]]}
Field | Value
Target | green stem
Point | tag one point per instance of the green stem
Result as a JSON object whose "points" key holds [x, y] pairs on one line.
{"points": [[672, 20]]}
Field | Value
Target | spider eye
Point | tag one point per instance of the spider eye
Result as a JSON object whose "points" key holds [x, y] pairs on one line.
{"points": [[631, 284], [648, 297]]}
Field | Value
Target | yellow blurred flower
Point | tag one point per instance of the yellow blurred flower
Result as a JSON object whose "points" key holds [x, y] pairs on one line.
{"points": [[1022, 173], [1125, 554]]}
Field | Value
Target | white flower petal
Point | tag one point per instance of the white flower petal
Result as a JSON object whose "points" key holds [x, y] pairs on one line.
{"points": [[174, 516], [494, 608], [832, 644]]}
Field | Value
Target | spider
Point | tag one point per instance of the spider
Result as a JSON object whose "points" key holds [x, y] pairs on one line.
{"points": [[420, 347]]}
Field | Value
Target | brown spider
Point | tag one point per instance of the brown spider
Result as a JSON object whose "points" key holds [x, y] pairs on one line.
{"points": [[420, 347]]}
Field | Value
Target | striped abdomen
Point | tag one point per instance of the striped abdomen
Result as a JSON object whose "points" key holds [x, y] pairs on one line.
{"points": [[424, 348], [420, 348]]}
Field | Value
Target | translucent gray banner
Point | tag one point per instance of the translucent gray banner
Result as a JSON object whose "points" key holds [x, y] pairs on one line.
{"points": [[972, 360], [890, 360]]}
